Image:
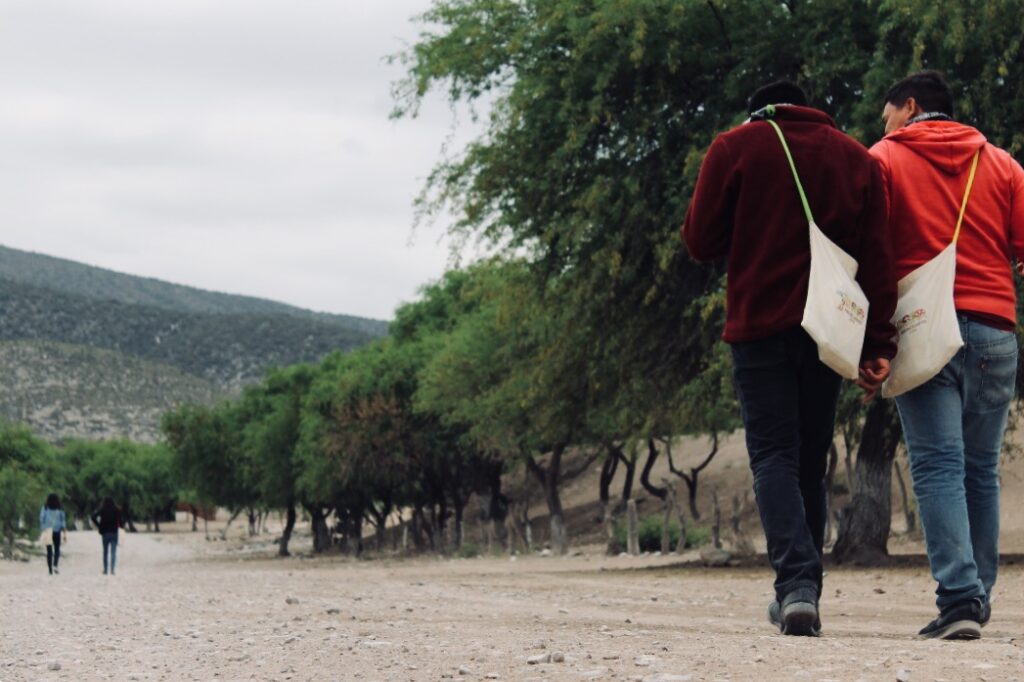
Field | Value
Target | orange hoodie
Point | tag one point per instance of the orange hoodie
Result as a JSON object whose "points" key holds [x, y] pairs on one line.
{"points": [[924, 168]]}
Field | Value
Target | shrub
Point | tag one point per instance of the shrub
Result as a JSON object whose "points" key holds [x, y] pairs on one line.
{"points": [[650, 534]]}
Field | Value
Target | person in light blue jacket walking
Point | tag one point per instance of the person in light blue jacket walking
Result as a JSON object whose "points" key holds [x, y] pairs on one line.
{"points": [[53, 523]]}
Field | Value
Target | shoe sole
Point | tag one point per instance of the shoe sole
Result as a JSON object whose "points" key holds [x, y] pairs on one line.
{"points": [[798, 619], [961, 629]]}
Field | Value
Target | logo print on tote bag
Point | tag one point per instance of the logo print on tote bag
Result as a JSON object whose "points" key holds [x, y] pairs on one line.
{"points": [[849, 306], [911, 321]]}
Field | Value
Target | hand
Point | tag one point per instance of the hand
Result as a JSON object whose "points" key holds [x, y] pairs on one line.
{"points": [[1019, 267], [872, 374]]}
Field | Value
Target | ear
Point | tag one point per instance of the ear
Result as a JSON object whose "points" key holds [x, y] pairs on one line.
{"points": [[912, 107]]}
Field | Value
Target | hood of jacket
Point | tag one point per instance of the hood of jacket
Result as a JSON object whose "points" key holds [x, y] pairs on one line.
{"points": [[947, 145]]}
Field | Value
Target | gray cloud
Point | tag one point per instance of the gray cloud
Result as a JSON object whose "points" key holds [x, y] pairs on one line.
{"points": [[242, 146]]}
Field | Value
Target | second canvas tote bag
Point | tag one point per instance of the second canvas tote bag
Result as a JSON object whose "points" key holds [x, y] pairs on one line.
{"points": [[925, 319]]}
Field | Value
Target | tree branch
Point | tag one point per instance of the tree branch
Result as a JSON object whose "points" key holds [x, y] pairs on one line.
{"points": [[721, 24]]}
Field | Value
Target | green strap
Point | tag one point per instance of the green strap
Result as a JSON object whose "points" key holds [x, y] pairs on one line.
{"points": [[792, 166]]}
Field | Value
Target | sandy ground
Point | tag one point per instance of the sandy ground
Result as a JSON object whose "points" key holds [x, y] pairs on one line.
{"points": [[181, 608]]}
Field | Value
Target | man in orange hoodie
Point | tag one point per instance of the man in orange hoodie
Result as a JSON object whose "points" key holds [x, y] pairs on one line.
{"points": [[954, 423]]}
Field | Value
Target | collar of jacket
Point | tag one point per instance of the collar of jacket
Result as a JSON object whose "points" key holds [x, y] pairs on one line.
{"points": [[793, 112], [929, 116]]}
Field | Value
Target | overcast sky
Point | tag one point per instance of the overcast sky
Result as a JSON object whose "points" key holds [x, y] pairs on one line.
{"points": [[234, 145]]}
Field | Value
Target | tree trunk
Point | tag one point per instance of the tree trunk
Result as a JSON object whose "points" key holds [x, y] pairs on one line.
{"points": [[195, 518], [645, 475], [549, 478], [716, 520], [627, 485], [604, 484], [674, 504], [908, 513], [234, 515], [321, 533], [286, 534], [864, 527], [633, 536], [459, 530], [830, 477], [692, 478], [129, 522], [666, 521], [419, 524], [354, 535], [380, 523]]}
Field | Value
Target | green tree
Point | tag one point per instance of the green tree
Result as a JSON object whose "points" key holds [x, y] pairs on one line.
{"points": [[206, 444], [26, 467], [270, 414]]}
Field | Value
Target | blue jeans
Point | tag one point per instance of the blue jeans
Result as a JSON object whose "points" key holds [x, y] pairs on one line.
{"points": [[110, 545], [954, 428], [788, 399]]}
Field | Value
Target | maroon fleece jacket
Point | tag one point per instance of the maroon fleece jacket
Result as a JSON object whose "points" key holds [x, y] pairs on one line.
{"points": [[746, 208]]}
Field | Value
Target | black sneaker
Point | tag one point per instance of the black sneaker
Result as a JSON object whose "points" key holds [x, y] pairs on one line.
{"points": [[986, 614], [797, 614], [960, 621]]}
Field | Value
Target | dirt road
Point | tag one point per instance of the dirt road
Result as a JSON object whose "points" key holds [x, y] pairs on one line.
{"points": [[184, 609]]}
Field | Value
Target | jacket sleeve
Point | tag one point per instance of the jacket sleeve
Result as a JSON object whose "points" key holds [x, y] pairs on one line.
{"points": [[1016, 209], [876, 272], [42, 516], [707, 229], [95, 519]]}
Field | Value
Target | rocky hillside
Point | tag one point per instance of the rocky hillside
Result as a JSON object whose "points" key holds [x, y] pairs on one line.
{"points": [[67, 390], [91, 353]]}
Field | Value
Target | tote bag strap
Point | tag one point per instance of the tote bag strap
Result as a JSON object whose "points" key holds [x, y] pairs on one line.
{"points": [[967, 194], [796, 177]]}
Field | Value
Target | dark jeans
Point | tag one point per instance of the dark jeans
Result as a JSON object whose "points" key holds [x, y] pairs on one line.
{"points": [[53, 552], [110, 547], [788, 399]]}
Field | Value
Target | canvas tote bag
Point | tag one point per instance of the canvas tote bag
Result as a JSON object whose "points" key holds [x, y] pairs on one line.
{"points": [[925, 319], [836, 311]]}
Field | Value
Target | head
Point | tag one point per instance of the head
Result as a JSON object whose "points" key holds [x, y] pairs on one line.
{"points": [[779, 92], [108, 504], [919, 93], [52, 501]]}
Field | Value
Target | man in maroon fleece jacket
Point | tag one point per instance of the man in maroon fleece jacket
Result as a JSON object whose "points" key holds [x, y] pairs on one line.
{"points": [[746, 209]]}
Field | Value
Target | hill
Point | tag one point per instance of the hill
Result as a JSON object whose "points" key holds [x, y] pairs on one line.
{"points": [[87, 352], [67, 276], [228, 349]]}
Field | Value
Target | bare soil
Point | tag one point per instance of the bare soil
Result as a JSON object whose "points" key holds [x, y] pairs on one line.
{"points": [[183, 608]]}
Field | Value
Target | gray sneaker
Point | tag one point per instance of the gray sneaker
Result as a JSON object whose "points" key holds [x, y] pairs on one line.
{"points": [[960, 621], [797, 614]]}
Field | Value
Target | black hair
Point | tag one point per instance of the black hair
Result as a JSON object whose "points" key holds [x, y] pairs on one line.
{"points": [[53, 501], [779, 92], [108, 504], [928, 88]]}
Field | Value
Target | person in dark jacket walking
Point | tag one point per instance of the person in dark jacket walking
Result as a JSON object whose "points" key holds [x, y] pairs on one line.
{"points": [[108, 520], [53, 523], [746, 208]]}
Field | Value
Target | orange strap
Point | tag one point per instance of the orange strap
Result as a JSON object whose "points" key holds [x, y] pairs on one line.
{"points": [[967, 194]]}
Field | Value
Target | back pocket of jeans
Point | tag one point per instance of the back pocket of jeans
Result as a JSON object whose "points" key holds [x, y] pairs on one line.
{"points": [[998, 378]]}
